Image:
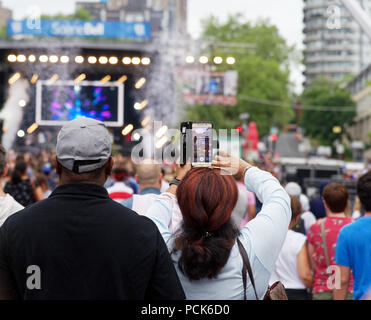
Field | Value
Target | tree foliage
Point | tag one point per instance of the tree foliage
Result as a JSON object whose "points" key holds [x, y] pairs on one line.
{"points": [[262, 72], [319, 124], [80, 14]]}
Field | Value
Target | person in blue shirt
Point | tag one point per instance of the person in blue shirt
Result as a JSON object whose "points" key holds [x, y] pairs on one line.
{"points": [[353, 249], [149, 178], [316, 205]]}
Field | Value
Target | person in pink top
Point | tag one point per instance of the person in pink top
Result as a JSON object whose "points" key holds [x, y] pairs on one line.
{"points": [[322, 237], [251, 204]]}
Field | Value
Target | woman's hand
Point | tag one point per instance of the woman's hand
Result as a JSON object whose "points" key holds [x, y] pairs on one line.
{"points": [[180, 174], [235, 166]]}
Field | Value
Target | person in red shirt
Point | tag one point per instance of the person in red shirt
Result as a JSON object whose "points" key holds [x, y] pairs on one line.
{"points": [[322, 237]]}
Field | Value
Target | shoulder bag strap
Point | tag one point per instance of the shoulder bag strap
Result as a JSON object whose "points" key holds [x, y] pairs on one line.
{"points": [[246, 266], [324, 243]]}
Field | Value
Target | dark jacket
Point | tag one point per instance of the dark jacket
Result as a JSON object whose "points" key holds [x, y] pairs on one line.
{"points": [[86, 246]]}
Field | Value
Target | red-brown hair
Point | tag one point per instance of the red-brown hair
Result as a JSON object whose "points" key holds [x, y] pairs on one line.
{"points": [[206, 199]]}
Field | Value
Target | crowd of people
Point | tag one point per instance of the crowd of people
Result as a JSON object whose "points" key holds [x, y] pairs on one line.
{"points": [[99, 226]]}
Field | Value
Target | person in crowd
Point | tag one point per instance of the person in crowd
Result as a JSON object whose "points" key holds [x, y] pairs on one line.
{"points": [[322, 237], [316, 205], [80, 243], [353, 249], [292, 267], [149, 177], [206, 253], [121, 189], [251, 203], [307, 218], [239, 212], [47, 170], [43, 183], [8, 205], [22, 187]]}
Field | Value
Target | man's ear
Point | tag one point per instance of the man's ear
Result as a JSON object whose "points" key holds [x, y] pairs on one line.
{"points": [[5, 172], [109, 166], [136, 179], [58, 166], [160, 179]]}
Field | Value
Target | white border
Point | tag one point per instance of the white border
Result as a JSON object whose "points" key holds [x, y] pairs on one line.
{"points": [[120, 106]]}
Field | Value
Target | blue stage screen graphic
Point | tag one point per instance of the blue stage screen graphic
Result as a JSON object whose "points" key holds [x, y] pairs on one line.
{"points": [[64, 101], [80, 29]]}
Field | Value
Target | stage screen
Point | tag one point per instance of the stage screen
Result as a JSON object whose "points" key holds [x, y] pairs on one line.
{"points": [[62, 101]]}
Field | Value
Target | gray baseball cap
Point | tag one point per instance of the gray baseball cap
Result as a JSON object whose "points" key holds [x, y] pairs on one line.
{"points": [[83, 139]]}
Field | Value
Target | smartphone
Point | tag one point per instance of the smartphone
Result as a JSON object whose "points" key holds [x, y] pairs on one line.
{"points": [[196, 143]]}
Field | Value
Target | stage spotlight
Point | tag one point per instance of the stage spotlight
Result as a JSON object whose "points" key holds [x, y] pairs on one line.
{"points": [[145, 121], [146, 61], [92, 60], [31, 58], [53, 59], [106, 79], [135, 60], [140, 83], [190, 59], [12, 58], [43, 58], [126, 60], [21, 58], [113, 60], [34, 78], [136, 136], [218, 60], [31, 129], [204, 59], [122, 79], [127, 129], [79, 59], [103, 60], [14, 78], [160, 143], [20, 133], [161, 131], [54, 78], [80, 78], [22, 103], [231, 60], [140, 105], [64, 59]]}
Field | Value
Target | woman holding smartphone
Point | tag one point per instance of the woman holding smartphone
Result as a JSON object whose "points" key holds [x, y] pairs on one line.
{"points": [[205, 252]]}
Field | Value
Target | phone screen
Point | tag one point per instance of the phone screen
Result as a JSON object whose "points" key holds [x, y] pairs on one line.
{"points": [[202, 143]]}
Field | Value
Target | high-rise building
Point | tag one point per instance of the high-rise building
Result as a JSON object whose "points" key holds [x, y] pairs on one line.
{"points": [[166, 16], [5, 15], [335, 44]]}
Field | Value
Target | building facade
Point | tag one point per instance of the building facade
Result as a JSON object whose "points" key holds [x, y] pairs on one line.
{"points": [[166, 16], [360, 88], [335, 44], [5, 15]]}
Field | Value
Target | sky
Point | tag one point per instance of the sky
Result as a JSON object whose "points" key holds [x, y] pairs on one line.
{"points": [[287, 15]]}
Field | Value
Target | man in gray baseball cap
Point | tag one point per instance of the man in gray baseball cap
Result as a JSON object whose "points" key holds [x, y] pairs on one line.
{"points": [[83, 150], [79, 243]]}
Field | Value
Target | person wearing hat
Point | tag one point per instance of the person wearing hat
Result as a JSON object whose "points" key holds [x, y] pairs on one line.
{"points": [[79, 243]]}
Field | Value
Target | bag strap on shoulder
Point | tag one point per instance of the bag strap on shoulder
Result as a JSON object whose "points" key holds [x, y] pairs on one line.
{"points": [[246, 266]]}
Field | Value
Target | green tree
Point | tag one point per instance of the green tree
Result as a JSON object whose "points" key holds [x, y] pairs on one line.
{"points": [[319, 124], [263, 72], [3, 32], [80, 14]]}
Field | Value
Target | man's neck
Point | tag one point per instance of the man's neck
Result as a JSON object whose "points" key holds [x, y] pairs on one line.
{"points": [[141, 188], [340, 214], [2, 193], [368, 214]]}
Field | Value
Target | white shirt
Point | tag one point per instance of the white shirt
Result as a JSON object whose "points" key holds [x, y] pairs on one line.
{"points": [[8, 206], [262, 239], [309, 219], [286, 268]]}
